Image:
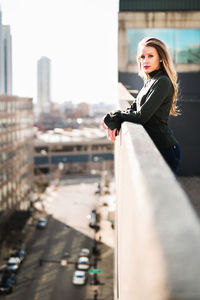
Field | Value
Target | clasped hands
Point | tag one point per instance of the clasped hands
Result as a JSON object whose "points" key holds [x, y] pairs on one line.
{"points": [[111, 134]]}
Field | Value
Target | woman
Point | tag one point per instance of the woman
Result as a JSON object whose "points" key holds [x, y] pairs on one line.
{"points": [[155, 102]]}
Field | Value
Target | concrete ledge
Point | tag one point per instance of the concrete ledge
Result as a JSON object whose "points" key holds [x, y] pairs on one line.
{"points": [[158, 233]]}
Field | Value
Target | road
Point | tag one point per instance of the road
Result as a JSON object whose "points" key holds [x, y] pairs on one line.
{"points": [[51, 280], [67, 231]]}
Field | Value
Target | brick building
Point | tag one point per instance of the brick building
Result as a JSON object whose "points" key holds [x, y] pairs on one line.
{"points": [[16, 153]]}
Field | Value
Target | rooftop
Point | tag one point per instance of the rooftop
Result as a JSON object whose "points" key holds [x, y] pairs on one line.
{"points": [[59, 135]]}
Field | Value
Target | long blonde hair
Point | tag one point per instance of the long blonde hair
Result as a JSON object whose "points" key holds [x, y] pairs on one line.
{"points": [[166, 64]]}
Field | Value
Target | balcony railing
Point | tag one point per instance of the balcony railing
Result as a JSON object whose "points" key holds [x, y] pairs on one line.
{"points": [[158, 233]]}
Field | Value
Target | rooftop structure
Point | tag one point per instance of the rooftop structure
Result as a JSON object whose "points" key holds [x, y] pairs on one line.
{"points": [[83, 150]]}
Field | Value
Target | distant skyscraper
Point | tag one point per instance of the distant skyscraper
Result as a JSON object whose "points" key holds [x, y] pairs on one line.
{"points": [[7, 42], [1, 56], [44, 81], [5, 58]]}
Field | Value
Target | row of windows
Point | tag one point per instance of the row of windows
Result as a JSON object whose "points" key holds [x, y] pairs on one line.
{"points": [[9, 196], [9, 107], [56, 159], [183, 44], [74, 148], [21, 160], [5, 174], [11, 123], [24, 148], [19, 135], [9, 138]]}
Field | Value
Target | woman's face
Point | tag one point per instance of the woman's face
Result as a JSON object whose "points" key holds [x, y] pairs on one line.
{"points": [[149, 59]]}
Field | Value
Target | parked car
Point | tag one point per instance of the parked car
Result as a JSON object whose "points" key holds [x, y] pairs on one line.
{"points": [[98, 190], [93, 218], [79, 278], [42, 223], [7, 282], [20, 253], [85, 252], [13, 264], [83, 263]]}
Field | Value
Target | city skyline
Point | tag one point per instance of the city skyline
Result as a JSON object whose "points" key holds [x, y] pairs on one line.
{"points": [[79, 38]]}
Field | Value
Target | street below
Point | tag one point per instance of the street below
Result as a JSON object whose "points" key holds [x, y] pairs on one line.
{"points": [[48, 268]]}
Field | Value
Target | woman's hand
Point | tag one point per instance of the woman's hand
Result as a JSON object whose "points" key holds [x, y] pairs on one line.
{"points": [[111, 134], [104, 125]]}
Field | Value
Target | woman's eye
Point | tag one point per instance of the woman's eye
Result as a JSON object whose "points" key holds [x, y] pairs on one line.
{"points": [[142, 57], [150, 55]]}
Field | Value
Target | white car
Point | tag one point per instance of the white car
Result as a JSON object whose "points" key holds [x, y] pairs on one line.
{"points": [[13, 264], [83, 263], [42, 223], [85, 252], [79, 278]]}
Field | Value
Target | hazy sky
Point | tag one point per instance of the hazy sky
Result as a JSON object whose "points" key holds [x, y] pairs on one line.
{"points": [[80, 38]]}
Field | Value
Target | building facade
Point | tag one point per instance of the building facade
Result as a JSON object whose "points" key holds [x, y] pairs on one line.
{"points": [[177, 24], [16, 153]]}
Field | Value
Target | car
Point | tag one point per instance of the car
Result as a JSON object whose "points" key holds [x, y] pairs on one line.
{"points": [[93, 218], [7, 282], [98, 190], [79, 278], [13, 264], [20, 253], [85, 252], [83, 263], [42, 223]]}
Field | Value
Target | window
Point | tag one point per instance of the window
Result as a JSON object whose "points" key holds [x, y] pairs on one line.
{"points": [[183, 44]]}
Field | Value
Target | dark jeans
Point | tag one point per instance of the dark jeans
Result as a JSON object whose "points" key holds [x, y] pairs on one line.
{"points": [[172, 157]]}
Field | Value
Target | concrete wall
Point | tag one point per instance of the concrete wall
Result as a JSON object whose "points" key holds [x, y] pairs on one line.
{"points": [[158, 245]]}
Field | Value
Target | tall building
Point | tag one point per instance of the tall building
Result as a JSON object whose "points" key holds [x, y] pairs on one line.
{"points": [[16, 153], [44, 81], [5, 58], [16, 167], [1, 56], [7, 43]]}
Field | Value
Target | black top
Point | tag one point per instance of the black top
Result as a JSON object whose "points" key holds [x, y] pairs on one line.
{"points": [[150, 109]]}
